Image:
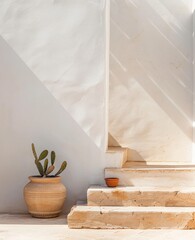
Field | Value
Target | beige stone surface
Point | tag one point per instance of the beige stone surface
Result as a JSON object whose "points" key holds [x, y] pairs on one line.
{"points": [[23, 227], [141, 196], [154, 176], [159, 164], [115, 157], [132, 217], [26, 219]]}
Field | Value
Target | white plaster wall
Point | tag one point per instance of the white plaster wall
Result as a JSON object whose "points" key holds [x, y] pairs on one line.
{"points": [[193, 34], [63, 43], [151, 78], [29, 113]]}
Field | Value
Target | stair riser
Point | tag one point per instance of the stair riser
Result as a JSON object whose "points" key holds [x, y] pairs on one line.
{"points": [[138, 198], [115, 158], [153, 178], [132, 220]]}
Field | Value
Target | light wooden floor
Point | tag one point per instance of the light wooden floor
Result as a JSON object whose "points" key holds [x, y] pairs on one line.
{"points": [[23, 227]]}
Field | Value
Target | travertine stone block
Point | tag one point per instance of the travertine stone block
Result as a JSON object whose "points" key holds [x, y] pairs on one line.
{"points": [[132, 217], [157, 164], [141, 196]]}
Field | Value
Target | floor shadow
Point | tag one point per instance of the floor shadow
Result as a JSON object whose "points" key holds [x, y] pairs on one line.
{"points": [[26, 219]]}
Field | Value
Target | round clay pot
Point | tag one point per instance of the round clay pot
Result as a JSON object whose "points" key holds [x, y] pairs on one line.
{"points": [[45, 197], [112, 182]]}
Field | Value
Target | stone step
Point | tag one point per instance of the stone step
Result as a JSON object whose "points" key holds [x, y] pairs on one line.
{"points": [[132, 217], [154, 176], [141, 196], [116, 157], [148, 164]]}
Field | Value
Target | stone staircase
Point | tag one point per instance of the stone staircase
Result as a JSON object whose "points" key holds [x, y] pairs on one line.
{"points": [[149, 197]]}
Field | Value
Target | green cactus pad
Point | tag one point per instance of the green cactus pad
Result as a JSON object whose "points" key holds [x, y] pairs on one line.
{"points": [[43, 155], [53, 156], [62, 168], [34, 151], [45, 166], [50, 169], [39, 167]]}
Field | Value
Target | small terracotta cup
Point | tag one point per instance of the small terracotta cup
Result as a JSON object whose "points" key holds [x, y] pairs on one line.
{"points": [[112, 182]]}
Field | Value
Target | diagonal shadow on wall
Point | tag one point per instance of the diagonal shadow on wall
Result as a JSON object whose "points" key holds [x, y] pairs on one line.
{"points": [[29, 113], [152, 45]]}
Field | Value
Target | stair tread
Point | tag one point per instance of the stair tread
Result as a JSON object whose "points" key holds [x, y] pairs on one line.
{"points": [[142, 189], [160, 163], [155, 168], [133, 209], [129, 164], [112, 217], [116, 149]]}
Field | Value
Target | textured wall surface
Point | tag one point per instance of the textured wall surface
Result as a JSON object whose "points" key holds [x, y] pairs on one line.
{"points": [[29, 113], [63, 43], [151, 78], [193, 149]]}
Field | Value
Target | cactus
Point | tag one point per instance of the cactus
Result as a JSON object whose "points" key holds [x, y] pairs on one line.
{"points": [[39, 167], [62, 168], [44, 170], [43, 155], [50, 169], [34, 151], [53, 157], [45, 166]]}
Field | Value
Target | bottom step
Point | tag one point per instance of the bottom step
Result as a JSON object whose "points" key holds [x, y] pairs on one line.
{"points": [[132, 217]]}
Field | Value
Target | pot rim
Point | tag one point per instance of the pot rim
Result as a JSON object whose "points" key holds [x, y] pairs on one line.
{"points": [[112, 178], [38, 176], [39, 179]]}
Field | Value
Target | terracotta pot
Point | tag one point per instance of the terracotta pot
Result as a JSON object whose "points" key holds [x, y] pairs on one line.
{"points": [[112, 182], [45, 197]]}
